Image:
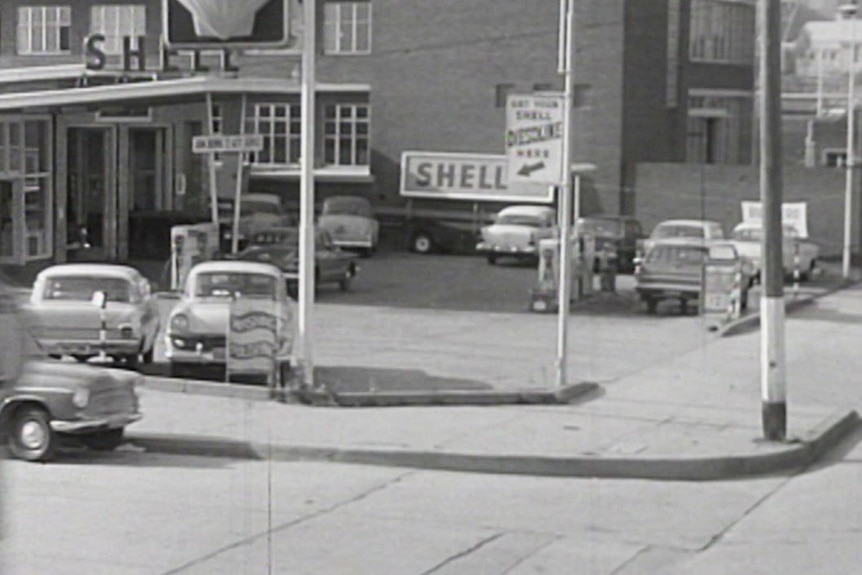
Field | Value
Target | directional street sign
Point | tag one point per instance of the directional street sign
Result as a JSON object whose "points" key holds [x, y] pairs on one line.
{"points": [[534, 138], [222, 143]]}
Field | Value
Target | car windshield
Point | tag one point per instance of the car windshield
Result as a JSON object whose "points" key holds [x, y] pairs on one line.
{"points": [[347, 207], [234, 284], [520, 220], [677, 231], [599, 227], [82, 288], [685, 255]]}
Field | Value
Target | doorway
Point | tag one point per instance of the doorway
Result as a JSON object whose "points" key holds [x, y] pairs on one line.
{"points": [[91, 209]]}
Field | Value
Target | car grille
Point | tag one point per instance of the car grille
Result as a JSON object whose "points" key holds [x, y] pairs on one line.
{"points": [[111, 401], [207, 342]]}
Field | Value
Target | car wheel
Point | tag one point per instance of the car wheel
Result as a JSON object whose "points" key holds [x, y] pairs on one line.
{"points": [[132, 361], [651, 305], [32, 438], [103, 440], [82, 358], [422, 243], [492, 259]]}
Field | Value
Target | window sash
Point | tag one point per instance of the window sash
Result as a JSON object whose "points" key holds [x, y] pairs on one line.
{"points": [[115, 21], [347, 28], [281, 127], [44, 29], [346, 134], [722, 31]]}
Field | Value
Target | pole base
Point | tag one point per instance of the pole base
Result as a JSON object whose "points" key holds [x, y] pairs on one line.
{"points": [[774, 417]]}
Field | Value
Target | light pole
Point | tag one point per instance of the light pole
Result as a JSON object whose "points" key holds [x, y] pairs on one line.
{"points": [[848, 12]]}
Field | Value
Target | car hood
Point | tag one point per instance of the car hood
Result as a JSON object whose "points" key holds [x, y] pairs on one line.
{"points": [[333, 222], [43, 374], [207, 316]]}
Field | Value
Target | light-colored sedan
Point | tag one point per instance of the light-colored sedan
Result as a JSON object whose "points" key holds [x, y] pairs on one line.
{"points": [[797, 253], [67, 317], [197, 331], [350, 222], [517, 231]]}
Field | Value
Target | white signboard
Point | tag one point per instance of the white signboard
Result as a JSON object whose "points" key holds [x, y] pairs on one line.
{"points": [[475, 177], [221, 143], [792, 214], [534, 138]]}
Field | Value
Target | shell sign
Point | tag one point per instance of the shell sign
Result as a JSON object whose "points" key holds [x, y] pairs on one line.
{"points": [[195, 24]]}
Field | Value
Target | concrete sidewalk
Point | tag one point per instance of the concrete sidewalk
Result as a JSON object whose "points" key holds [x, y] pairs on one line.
{"points": [[693, 416]]}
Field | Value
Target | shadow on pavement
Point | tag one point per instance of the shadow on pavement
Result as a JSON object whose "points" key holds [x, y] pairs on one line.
{"points": [[346, 379]]}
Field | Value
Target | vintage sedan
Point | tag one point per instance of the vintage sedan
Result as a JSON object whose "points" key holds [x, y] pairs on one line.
{"points": [[673, 269], [798, 254], [67, 321], [280, 247], [702, 230], [517, 231], [197, 327], [350, 222], [616, 234], [44, 402]]}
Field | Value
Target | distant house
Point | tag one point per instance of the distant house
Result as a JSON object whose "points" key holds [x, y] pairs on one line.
{"points": [[822, 49]]}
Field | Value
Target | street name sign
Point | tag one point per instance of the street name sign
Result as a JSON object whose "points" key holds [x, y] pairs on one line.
{"points": [[219, 143], [534, 138]]}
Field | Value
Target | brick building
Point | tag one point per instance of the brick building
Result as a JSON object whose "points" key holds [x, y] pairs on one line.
{"points": [[96, 133]]}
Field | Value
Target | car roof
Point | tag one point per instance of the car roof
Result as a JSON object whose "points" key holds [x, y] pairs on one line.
{"points": [[527, 209], [90, 269], [683, 242], [235, 266], [684, 222]]}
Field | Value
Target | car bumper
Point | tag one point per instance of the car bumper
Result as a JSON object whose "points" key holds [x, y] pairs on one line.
{"points": [[96, 424], [668, 291], [490, 248], [194, 354], [346, 243], [88, 347]]}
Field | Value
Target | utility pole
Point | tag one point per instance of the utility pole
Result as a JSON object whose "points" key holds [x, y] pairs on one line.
{"points": [[306, 207], [848, 11], [772, 347]]}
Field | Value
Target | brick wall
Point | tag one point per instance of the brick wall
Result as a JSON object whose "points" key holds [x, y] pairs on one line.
{"points": [[666, 191]]}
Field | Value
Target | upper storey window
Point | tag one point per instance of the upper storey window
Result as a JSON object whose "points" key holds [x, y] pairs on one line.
{"points": [[347, 27], [115, 21], [722, 31], [44, 29]]}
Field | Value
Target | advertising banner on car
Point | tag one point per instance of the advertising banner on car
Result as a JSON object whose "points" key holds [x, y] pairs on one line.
{"points": [[477, 177], [252, 336]]}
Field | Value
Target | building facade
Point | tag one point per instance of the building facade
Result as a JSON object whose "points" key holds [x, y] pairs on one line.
{"points": [[97, 116]]}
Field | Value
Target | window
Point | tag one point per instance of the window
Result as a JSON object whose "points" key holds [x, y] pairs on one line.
{"points": [[347, 27], [501, 93], [722, 31], [44, 29], [281, 126], [116, 21], [346, 134]]}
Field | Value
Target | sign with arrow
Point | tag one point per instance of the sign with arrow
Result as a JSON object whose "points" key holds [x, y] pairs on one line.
{"points": [[534, 138]]}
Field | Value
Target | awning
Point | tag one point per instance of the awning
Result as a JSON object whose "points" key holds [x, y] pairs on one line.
{"points": [[163, 89]]}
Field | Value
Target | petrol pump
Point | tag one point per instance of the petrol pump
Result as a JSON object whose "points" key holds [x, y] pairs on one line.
{"points": [[191, 244], [544, 297]]}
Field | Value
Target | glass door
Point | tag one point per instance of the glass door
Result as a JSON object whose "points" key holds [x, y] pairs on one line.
{"points": [[8, 227], [91, 204]]}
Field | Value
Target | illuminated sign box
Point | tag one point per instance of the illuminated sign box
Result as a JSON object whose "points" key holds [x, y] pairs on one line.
{"points": [[217, 24]]}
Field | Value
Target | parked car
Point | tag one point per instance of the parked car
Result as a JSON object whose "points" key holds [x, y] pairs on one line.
{"points": [[704, 230], [747, 237], [67, 322], [673, 270], [517, 231], [197, 328], [350, 222], [280, 247], [43, 402], [257, 211], [617, 234]]}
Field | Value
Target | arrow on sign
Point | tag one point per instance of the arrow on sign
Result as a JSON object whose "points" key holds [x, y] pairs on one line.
{"points": [[528, 169]]}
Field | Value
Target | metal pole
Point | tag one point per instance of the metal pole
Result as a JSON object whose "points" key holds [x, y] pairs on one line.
{"points": [[772, 348], [211, 167], [849, 10], [306, 207], [240, 165], [566, 8]]}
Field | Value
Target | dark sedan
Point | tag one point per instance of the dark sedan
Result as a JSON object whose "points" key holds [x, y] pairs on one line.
{"points": [[616, 234], [280, 247]]}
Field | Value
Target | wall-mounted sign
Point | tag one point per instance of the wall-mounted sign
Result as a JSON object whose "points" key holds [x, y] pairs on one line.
{"points": [[534, 138], [189, 24], [467, 177], [218, 143]]}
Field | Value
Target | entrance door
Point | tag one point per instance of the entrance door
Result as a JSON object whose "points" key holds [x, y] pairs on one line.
{"points": [[8, 229], [91, 209], [146, 185]]}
